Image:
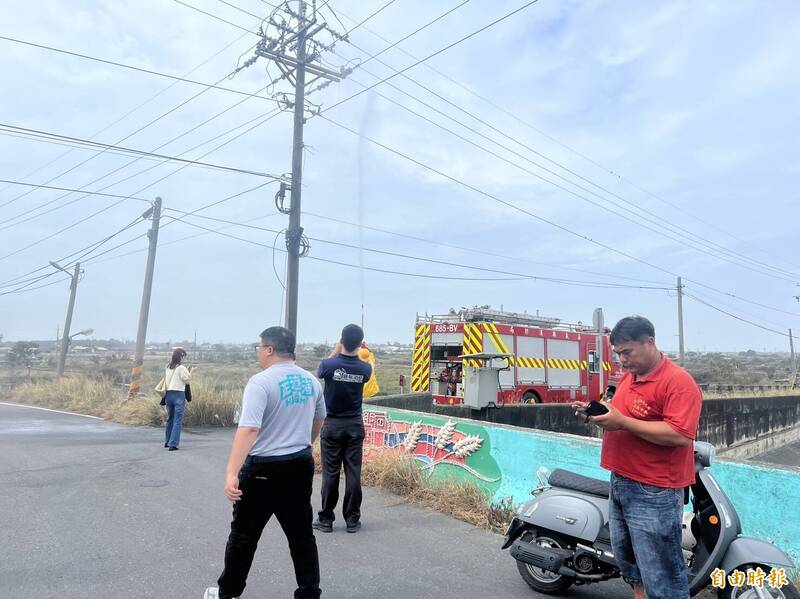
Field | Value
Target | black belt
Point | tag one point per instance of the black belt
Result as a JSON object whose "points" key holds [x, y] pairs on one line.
{"points": [[266, 459]]}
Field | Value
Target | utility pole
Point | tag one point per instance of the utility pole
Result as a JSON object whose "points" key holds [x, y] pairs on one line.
{"points": [[681, 356], [793, 365], [73, 288], [599, 324], [144, 311], [289, 42]]}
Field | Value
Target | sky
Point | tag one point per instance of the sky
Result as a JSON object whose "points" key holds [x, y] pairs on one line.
{"points": [[603, 147]]}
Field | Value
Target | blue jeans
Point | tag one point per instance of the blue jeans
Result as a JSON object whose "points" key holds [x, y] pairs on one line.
{"points": [[176, 401], [645, 525]]}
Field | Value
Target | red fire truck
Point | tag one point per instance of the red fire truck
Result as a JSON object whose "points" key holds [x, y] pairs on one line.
{"points": [[548, 361]]}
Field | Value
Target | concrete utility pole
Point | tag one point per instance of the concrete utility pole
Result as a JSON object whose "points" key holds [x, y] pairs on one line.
{"points": [[73, 288], [793, 364], [144, 310], [287, 39], [681, 356], [295, 232], [599, 324]]}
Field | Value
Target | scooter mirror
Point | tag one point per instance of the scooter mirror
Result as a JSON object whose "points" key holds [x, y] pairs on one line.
{"points": [[705, 452]]}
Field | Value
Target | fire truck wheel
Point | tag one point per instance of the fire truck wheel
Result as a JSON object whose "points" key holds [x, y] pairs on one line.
{"points": [[531, 397]]}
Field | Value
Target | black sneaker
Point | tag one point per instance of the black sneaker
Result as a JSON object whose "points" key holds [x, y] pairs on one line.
{"points": [[353, 526], [322, 526], [173, 448]]}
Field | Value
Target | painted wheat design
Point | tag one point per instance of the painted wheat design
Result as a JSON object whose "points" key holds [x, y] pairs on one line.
{"points": [[445, 434], [412, 437], [467, 446]]}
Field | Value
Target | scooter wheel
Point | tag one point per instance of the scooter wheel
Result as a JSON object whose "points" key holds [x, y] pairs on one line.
{"points": [[541, 580], [788, 591]]}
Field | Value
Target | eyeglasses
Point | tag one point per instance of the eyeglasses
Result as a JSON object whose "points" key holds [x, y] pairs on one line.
{"points": [[258, 346]]}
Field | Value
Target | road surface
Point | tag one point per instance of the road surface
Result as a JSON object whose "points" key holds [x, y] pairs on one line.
{"points": [[93, 509]]}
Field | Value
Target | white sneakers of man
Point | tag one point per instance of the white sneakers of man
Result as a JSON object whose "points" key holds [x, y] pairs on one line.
{"points": [[211, 593]]}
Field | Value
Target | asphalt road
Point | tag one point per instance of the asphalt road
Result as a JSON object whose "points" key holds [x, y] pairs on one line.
{"points": [[96, 510]]}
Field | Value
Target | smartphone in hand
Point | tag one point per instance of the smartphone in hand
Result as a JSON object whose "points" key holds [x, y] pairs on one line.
{"points": [[595, 408]]}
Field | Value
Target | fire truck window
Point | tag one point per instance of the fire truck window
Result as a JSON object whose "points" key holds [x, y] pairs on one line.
{"points": [[593, 362], [438, 353]]}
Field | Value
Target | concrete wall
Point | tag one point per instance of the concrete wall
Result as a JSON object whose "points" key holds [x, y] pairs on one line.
{"points": [[727, 423], [504, 461]]}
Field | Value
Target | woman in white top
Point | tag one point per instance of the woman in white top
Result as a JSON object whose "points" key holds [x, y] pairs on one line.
{"points": [[176, 378]]}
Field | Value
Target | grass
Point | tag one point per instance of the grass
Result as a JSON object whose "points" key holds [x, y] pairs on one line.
{"points": [[210, 406], [400, 474]]}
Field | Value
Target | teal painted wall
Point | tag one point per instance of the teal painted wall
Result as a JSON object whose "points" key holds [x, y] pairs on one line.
{"points": [[767, 499]]}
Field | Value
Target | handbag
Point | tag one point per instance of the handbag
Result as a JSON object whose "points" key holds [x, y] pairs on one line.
{"points": [[161, 388], [188, 392]]}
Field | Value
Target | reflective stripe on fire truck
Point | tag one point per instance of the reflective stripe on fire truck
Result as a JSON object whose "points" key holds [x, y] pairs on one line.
{"points": [[499, 345], [421, 364], [472, 344]]}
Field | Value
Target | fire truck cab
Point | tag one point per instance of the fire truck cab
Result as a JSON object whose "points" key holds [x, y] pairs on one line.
{"points": [[549, 361]]}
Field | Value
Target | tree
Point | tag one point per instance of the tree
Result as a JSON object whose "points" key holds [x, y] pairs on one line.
{"points": [[320, 351], [24, 353]]}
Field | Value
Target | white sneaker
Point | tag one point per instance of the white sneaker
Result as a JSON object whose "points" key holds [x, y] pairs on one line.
{"points": [[211, 593]]}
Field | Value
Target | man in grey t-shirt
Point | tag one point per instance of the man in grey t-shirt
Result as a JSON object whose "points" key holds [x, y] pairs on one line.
{"points": [[270, 470]]}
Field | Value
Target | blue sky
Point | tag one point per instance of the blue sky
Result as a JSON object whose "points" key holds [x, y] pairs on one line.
{"points": [[682, 113]]}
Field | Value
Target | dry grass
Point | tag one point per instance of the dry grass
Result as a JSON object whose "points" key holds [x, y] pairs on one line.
{"points": [[99, 397], [401, 475]]}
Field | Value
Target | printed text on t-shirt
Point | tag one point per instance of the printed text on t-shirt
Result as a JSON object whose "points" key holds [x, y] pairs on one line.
{"points": [[296, 389], [340, 375]]}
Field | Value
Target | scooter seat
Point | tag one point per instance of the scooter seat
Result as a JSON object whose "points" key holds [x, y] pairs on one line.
{"points": [[563, 479]]}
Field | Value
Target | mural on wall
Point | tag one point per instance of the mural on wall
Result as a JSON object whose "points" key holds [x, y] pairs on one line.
{"points": [[441, 446], [504, 461]]}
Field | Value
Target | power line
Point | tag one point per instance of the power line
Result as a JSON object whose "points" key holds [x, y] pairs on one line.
{"points": [[598, 284], [71, 190], [750, 322], [434, 54], [127, 66], [213, 16], [510, 204], [39, 134], [83, 253], [519, 119], [339, 263], [656, 221], [475, 250], [274, 113], [738, 310], [136, 238], [150, 123], [134, 109], [538, 176]]}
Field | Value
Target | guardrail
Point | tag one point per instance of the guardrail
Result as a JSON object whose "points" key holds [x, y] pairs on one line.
{"points": [[725, 388]]}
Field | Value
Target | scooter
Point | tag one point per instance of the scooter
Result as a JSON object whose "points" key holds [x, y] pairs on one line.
{"points": [[561, 537]]}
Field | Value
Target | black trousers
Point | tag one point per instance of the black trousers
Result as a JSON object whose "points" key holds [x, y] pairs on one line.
{"points": [[341, 442], [284, 489]]}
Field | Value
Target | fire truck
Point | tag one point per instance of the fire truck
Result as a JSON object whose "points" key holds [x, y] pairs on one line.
{"points": [[547, 361]]}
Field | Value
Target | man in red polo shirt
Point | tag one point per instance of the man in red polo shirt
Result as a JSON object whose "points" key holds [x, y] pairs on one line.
{"points": [[648, 447]]}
